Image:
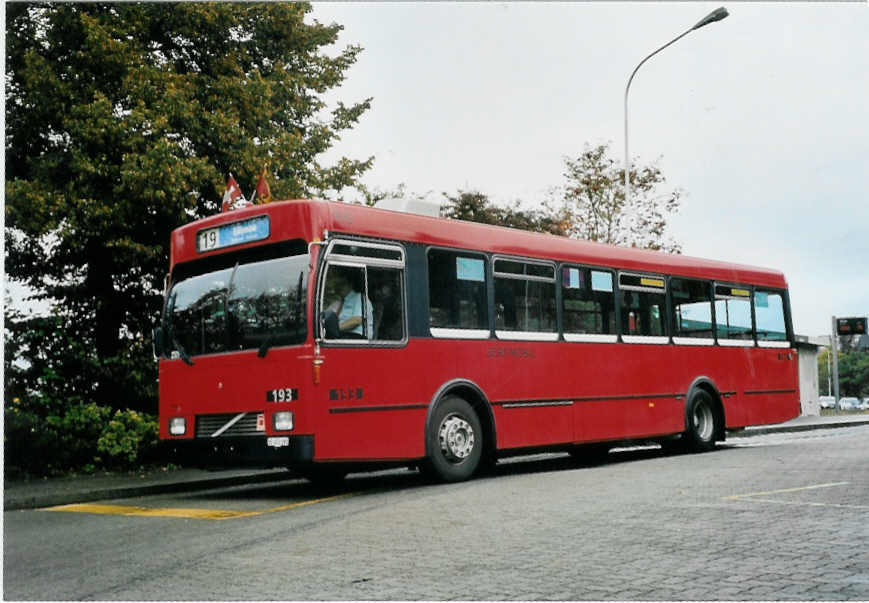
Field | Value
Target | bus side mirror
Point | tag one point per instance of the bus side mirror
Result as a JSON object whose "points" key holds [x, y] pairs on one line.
{"points": [[157, 343]]}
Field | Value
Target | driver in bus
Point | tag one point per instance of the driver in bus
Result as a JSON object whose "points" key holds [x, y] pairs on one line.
{"points": [[343, 317]]}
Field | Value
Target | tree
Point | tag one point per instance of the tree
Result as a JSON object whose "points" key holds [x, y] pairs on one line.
{"points": [[853, 372], [850, 343], [475, 206], [593, 202], [122, 123], [370, 196], [825, 383]]}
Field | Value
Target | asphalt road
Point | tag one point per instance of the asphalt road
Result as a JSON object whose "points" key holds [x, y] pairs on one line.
{"points": [[781, 516]]}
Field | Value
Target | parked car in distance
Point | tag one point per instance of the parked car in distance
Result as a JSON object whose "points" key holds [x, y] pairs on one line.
{"points": [[827, 402], [864, 405], [849, 403]]}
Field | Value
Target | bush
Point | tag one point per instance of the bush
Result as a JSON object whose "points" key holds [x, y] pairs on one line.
{"points": [[53, 443], [130, 437], [57, 416], [80, 437]]}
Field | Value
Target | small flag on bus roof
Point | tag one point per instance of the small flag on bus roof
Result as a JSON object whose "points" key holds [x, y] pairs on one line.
{"points": [[263, 193], [231, 194]]}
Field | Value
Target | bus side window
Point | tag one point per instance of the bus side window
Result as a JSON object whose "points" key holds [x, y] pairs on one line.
{"points": [[692, 308], [347, 309], [524, 296], [643, 305], [588, 303], [384, 286], [770, 316], [363, 294], [733, 313], [457, 290]]}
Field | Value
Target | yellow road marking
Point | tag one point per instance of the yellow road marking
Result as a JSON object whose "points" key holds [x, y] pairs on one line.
{"points": [[210, 514], [146, 512], [753, 497]]}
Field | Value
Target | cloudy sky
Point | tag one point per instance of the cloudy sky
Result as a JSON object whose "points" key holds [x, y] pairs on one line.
{"points": [[762, 118]]}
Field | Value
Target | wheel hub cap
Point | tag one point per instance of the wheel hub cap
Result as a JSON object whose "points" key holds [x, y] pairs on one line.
{"points": [[456, 438], [703, 421]]}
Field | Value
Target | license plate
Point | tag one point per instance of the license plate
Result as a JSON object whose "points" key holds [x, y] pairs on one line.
{"points": [[278, 442]]}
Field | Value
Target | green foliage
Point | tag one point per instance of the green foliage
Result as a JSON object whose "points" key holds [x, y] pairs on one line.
{"points": [[51, 424], [475, 206], [853, 372], [824, 373], [80, 435], [370, 196], [590, 205], [123, 120], [45, 443], [593, 202], [128, 437], [47, 365]]}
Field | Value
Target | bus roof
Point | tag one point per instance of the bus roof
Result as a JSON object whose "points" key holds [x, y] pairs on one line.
{"points": [[306, 219]]}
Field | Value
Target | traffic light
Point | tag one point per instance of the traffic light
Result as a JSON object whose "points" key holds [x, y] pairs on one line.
{"points": [[851, 326]]}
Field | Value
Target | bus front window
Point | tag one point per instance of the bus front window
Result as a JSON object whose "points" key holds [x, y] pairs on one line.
{"points": [[252, 305]]}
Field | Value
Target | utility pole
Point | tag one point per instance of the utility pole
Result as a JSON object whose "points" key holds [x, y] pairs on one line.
{"points": [[830, 370], [834, 352], [717, 15]]}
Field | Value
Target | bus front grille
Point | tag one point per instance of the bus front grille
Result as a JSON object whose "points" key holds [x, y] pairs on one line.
{"points": [[208, 425]]}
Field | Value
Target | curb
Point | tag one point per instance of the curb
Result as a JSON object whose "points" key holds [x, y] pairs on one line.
{"points": [[37, 501], [756, 431]]}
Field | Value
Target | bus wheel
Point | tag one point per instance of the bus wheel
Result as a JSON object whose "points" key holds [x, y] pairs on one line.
{"points": [[702, 422], [455, 441]]}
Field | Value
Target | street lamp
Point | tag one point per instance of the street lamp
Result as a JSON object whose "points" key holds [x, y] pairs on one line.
{"points": [[717, 15]]}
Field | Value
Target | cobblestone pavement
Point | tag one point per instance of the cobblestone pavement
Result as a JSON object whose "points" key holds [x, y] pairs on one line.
{"points": [[774, 517]]}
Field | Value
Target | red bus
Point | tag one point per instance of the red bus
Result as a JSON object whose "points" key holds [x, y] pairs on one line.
{"points": [[326, 337]]}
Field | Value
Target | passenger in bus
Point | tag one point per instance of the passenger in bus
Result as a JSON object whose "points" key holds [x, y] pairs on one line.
{"points": [[343, 315], [387, 311], [630, 314]]}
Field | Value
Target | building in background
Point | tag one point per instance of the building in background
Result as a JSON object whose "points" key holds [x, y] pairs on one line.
{"points": [[808, 348]]}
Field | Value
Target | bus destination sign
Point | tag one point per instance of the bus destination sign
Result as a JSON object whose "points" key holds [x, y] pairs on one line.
{"points": [[851, 326], [237, 233]]}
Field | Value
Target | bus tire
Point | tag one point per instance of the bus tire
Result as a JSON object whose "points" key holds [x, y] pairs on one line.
{"points": [[702, 420], [455, 441]]}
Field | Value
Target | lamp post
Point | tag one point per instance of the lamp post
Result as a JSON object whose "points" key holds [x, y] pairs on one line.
{"points": [[834, 352], [717, 15]]}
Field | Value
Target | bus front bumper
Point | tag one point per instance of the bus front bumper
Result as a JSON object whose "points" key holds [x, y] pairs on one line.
{"points": [[250, 451]]}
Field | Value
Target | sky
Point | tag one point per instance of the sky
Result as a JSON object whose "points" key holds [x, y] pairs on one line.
{"points": [[762, 119]]}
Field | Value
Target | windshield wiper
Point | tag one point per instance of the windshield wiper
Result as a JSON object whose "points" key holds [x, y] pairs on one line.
{"points": [[229, 323], [265, 345], [229, 286], [170, 306], [267, 342]]}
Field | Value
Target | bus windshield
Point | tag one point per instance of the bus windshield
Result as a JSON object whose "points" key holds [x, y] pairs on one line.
{"points": [[246, 306]]}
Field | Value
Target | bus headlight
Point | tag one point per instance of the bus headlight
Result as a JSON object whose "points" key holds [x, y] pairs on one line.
{"points": [[282, 421], [177, 426]]}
